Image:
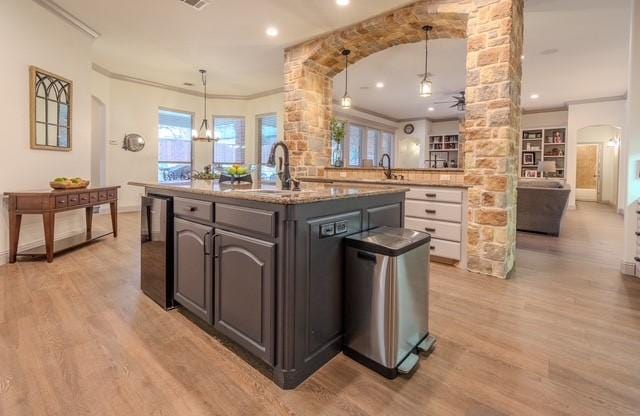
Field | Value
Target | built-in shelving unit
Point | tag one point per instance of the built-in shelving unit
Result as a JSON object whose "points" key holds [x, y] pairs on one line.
{"points": [[547, 144], [444, 151]]}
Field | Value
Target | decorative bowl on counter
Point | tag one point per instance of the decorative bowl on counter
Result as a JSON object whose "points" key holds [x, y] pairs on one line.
{"points": [[69, 183]]}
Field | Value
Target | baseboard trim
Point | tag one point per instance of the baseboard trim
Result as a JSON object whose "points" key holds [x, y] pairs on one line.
{"points": [[4, 255], [628, 268]]}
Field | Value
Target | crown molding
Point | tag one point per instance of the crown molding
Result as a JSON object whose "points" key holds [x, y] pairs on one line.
{"points": [[126, 78], [545, 110], [369, 112], [598, 100], [68, 17]]}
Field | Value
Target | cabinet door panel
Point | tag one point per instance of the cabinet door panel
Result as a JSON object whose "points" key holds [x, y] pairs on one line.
{"points": [[244, 291], [193, 268]]}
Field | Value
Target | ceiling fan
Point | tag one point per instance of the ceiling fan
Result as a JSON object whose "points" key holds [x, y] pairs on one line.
{"points": [[459, 102]]}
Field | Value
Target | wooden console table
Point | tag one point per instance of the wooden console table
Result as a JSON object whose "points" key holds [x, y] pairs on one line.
{"points": [[48, 204]]}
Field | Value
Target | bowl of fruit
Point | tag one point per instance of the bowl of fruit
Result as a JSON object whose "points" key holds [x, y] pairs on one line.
{"points": [[236, 173], [69, 183]]}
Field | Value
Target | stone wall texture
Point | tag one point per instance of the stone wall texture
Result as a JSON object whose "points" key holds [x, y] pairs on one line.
{"points": [[494, 31]]}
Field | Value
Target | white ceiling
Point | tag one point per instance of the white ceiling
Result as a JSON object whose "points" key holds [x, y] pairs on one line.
{"points": [[166, 41], [574, 50]]}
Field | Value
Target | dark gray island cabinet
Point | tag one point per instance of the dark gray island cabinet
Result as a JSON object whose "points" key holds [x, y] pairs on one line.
{"points": [[265, 271]]}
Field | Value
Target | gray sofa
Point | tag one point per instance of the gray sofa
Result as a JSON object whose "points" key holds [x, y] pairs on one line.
{"points": [[541, 205]]}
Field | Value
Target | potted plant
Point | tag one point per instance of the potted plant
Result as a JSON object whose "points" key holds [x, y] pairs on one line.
{"points": [[337, 135]]}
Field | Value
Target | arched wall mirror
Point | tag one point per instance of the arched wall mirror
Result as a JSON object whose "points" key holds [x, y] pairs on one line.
{"points": [[51, 105]]}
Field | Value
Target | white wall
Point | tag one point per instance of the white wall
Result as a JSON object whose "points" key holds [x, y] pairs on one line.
{"points": [[631, 143], [30, 35], [549, 119], [411, 148], [610, 155], [609, 113], [133, 108], [438, 128]]}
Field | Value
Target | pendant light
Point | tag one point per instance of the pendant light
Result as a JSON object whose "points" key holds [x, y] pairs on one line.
{"points": [[204, 133], [346, 100], [426, 89]]}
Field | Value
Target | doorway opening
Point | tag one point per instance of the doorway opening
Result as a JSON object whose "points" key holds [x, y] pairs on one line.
{"points": [[597, 167]]}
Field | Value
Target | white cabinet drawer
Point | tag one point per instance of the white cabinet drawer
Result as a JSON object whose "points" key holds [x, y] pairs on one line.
{"points": [[433, 210], [445, 249], [437, 229], [435, 194]]}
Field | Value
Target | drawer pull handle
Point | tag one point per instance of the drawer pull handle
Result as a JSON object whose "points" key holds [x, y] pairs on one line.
{"points": [[366, 256], [430, 211], [433, 248], [431, 195], [431, 230]]}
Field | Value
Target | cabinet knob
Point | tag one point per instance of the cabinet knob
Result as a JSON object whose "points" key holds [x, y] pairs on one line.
{"points": [[432, 248], [193, 209]]}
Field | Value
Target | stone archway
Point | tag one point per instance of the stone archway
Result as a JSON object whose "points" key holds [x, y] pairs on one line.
{"points": [[493, 29]]}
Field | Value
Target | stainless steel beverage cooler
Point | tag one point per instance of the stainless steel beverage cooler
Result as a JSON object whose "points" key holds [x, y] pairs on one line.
{"points": [[156, 249], [386, 307]]}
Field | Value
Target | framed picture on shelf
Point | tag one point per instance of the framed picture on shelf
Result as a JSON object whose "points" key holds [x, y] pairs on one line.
{"points": [[530, 173], [528, 158]]}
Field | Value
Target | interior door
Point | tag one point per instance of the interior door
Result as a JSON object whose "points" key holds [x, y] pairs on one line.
{"points": [[588, 172]]}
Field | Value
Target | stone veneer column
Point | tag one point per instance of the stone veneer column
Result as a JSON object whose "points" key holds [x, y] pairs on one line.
{"points": [[492, 127], [308, 99], [492, 123]]}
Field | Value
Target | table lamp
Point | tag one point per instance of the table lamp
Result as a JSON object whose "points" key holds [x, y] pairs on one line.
{"points": [[546, 167]]}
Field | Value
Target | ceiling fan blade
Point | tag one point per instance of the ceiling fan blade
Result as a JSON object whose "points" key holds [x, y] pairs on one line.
{"points": [[444, 102], [454, 106]]}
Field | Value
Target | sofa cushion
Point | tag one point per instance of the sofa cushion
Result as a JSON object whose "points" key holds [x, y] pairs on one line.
{"points": [[540, 184]]}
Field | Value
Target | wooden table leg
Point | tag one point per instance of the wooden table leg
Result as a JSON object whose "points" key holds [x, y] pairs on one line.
{"points": [[49, 220], [14, 235], [89, 219], [113, 207]]}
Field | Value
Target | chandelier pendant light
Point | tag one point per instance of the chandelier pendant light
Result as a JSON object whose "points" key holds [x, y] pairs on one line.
{"points": [[204, 133], [426, 88], [346, 99]]}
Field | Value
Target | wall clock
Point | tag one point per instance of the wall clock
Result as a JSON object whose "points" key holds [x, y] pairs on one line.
{"points": [[409, 129]]}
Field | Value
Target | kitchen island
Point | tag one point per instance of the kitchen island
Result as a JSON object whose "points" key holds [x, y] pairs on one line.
{"points": [[263, 268]]}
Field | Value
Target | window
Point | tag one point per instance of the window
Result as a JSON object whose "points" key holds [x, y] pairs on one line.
{"points": [[267, 137], [230, 147], [174, 149], [373, 145], [364, 142], [387, 144], [354, 148]]}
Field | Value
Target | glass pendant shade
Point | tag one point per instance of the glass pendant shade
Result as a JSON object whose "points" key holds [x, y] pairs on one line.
{"points": [[426, 88], [346, 99], [204, 133], [346, 102]]}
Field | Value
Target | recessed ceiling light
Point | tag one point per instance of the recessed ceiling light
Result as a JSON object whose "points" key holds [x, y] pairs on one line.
{"points": [[535, 96], [431, 109], [522, 57], [343, 2], [380, 85], [272, 31]]}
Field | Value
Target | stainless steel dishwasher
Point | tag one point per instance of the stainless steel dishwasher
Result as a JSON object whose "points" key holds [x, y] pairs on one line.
{"points": [[386, 311]]}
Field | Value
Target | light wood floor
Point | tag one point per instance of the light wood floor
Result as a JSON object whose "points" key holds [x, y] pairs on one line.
{"points": [[562, 337]]}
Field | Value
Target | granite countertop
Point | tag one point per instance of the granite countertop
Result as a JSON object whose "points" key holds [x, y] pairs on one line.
{"points": [[311, 192], [394, 182], [378, 168]]}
